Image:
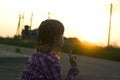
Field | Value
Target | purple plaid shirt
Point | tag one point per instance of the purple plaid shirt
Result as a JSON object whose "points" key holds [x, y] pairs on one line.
{"points": [[43, 66]]}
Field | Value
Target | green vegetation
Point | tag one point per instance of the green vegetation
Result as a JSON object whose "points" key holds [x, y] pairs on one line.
{"points": [[88, 49], [78, 47], [17, 42], [17, 50]]}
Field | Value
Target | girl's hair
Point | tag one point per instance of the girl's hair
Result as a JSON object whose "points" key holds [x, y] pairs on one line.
{"points": [[48, 35]]}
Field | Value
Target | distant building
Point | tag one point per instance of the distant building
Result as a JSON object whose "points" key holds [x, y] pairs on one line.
{"points": [[31, 34], [28, 34]]}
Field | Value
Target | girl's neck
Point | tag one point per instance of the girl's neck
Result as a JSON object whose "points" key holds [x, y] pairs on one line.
{"points": [[55, 53]]}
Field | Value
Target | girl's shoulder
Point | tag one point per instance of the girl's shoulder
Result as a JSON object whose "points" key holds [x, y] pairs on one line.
{"points": [[44, 56]]}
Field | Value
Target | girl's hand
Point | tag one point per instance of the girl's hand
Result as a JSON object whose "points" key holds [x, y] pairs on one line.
{"points": [[72, 59]]}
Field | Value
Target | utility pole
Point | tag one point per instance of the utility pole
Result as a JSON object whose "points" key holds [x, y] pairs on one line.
{"points": [[20, 23], [109, 30], [22, 17], [31, 20], [48, 15], [18, 27]]}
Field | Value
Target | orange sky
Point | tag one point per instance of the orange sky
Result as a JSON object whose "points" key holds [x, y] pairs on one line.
{"points": [[87, 20]]}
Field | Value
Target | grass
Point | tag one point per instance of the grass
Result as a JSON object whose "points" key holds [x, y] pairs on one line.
{"points": [[18, 42]]}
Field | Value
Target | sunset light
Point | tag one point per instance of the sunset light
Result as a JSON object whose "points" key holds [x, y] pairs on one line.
{"points": [[87, 20]]}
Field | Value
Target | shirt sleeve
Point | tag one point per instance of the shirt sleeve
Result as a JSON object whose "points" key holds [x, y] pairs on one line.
{"points": [[72, 73]]}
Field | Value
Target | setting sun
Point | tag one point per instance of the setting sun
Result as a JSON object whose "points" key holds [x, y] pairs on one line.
{"points": [[92, 36]]}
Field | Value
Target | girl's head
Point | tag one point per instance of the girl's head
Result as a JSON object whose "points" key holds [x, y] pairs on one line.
{"points": [[50, 35]]}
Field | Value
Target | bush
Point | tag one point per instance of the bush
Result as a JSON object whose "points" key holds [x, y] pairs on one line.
{"points": [[17, 50], [18, 42]]}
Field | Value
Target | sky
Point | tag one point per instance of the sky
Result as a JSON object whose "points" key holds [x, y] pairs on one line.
{"points": [[88, 20]]}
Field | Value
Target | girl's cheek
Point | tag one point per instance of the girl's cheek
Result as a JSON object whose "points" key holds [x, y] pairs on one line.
{"points": [[62, 42]]}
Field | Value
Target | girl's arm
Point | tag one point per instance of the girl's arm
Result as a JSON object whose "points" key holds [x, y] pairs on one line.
{"points": [[72, 73]]}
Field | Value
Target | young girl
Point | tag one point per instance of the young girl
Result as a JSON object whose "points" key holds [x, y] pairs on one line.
{"points": [[44, 63]]}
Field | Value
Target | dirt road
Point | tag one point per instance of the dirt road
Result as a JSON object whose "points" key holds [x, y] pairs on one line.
{"points": [[12, 63]]}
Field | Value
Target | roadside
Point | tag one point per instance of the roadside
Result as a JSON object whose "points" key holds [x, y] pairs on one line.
{"points": [[14, 50], [90, 68]]}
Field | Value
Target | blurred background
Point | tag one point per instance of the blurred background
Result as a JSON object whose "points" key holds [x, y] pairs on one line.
{"points": [[91, 31]]}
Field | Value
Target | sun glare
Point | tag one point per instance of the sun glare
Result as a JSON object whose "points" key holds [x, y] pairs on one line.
{"points": [[86, 19], [92, 36]]}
